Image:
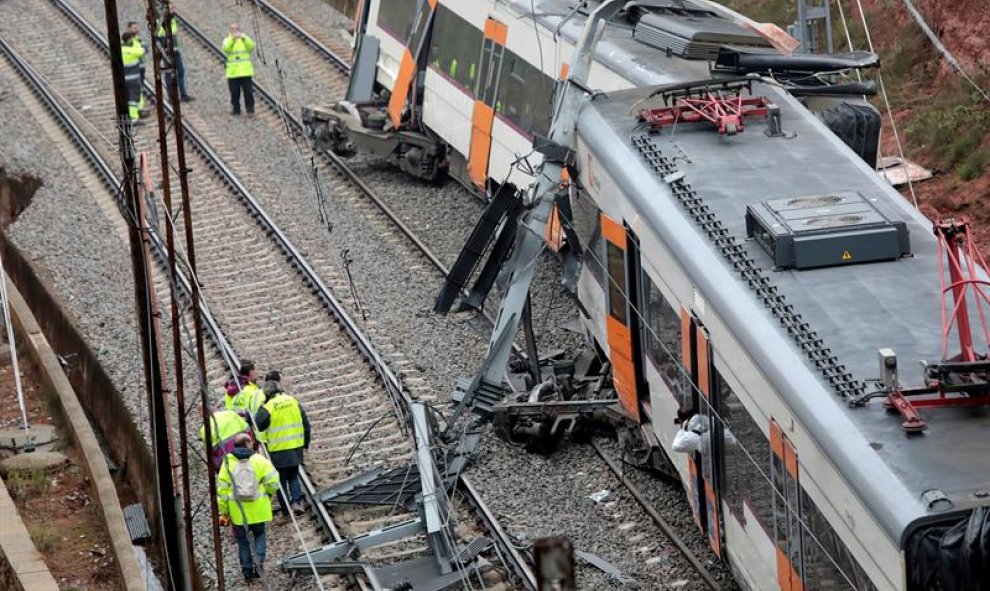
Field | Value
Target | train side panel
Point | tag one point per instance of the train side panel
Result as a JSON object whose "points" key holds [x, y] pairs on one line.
{"points": [[447, 109], [840, 529], [392, 46]]}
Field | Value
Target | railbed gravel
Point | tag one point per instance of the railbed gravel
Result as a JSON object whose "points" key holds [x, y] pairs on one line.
{"points": [[84, 259], [398, 298], [61, 231]]}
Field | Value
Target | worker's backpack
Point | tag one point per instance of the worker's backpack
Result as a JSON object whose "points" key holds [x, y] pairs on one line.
{"points": [[245, 481]]}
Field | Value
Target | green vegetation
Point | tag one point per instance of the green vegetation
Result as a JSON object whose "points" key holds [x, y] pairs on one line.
{"points": [[948, 127], [25, 483], [45, 537], [952, 129]]}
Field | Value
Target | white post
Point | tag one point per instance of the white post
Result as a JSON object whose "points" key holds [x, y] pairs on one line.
{"points": [[28, 444]]}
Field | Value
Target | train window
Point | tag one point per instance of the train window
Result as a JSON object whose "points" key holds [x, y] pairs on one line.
{"points": [[456, 48], [663, 342], [786, 507], [747, 458], [587, 223], [525, 95], [828, 564], [616, 282], [397, 17]]}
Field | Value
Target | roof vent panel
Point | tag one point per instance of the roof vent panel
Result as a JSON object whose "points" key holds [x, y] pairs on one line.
{"points": [[691, 33], [825, 230]]}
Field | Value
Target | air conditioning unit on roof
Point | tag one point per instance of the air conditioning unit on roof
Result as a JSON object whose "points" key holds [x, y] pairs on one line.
{"points": [[841, 228]]}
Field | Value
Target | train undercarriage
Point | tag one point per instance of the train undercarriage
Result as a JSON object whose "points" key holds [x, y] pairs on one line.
{"points": [[346, 128]]}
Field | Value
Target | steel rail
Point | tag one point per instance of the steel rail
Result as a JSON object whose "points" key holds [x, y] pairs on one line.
{"points": [[294, 28], [662, 523], [505, 546], [339, 164], [400, 397], [516, 562], [386, 376], [106, 173]]}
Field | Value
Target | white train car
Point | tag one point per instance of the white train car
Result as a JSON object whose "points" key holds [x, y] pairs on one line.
{"points": [[802, 483]]}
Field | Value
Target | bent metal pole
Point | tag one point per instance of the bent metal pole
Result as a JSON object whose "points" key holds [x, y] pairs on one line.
{"points": [[28, 443]]}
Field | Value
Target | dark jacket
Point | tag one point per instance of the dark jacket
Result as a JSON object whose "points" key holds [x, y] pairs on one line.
{"points": [[290, 457]]}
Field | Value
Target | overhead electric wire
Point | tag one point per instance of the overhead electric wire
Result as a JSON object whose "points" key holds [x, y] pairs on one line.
{"points": [[886, 102], [942, 49]]}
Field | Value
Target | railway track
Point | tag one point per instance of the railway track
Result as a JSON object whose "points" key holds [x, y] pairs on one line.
{"points": [[357, 187], [293, 30], [362, 387]]}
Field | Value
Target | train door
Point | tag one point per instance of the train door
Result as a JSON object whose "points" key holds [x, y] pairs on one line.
{"points": [[786, 510], [704, 467], [483, 116], [623, 320]]}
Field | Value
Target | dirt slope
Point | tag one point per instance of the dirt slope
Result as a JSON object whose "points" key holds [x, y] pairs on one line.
{"points": [[943, 123]]}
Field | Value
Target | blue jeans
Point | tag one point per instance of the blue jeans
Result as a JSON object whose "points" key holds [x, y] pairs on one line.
{"points": [[289, 480], [180, 73], [249, 563]]}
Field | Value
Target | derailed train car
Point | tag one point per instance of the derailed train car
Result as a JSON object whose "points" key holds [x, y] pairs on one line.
{"points": [[739, 258], [447, 88]]}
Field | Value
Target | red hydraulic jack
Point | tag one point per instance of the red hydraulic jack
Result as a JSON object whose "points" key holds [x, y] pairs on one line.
{"points": [[963, 379], [719, 102]]}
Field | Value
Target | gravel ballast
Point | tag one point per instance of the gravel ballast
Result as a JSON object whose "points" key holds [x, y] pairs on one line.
{"points": [[540, 495]]}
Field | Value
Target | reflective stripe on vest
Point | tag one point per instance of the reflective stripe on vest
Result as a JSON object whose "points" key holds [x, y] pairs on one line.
{"points": [[239, 58], [286, 428], [131, 56], [251, 511]]}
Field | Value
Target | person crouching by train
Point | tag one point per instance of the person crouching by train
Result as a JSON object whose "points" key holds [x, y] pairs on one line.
{"points": [[245, 486], [225, 426], [240, 71], [286, 427], [248, 396]]}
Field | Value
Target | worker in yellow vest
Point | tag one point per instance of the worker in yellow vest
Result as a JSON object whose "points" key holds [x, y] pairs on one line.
{"points": [[132, 54], [246, 396], [237, 47], [245, 486], [136, 41], [286, 427], [224, 427], [180, 68]]}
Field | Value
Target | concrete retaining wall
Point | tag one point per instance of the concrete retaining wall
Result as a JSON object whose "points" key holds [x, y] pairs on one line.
{"points": [[21, 566], [89, 388]]}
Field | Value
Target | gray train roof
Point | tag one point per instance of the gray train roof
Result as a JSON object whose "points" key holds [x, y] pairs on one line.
{"points": [[856, 309]]}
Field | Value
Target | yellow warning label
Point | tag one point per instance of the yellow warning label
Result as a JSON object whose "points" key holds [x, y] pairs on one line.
{"points": [[846, 255]]}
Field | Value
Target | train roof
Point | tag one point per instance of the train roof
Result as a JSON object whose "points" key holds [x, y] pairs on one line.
{"points": [[855, 309]]}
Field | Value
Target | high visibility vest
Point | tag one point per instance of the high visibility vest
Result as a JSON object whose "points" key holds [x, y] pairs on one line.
{"points": [[175, 29], [248, 400], [247, 512], [132, 54], [238, 52], [136, 43], [286, 429], [226, 424]]}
